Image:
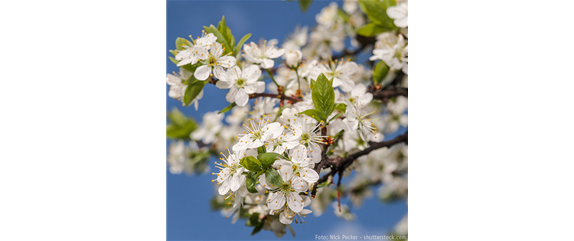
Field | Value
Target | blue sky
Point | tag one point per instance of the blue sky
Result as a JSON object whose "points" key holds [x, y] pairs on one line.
{"points": [[189, 216]]}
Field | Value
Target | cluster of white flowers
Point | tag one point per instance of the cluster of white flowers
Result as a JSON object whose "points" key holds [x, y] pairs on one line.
{"points": [[275, 124]]}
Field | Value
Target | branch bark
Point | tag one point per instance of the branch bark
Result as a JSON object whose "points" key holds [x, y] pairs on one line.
{"points": [[339, 164]]}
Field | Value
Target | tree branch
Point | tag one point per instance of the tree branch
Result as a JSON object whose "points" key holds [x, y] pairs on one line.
{"points": [[339, 164], [278, 96]]}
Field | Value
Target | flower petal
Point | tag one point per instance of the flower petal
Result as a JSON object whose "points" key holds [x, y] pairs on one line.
{"points": [[267, 63], [202, 72], [276, 200], [295, 202], [226, 61], [310, 175], [275, 129], [241, 97], [251, 74]]}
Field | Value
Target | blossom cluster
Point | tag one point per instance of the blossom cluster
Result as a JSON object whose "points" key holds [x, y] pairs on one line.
{"points": [[274, 134]]}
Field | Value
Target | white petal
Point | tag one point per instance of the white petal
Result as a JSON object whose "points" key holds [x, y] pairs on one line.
{"points": [[224, 188], [395, 12], [310, 175], [230, 97], [202, 72], [402, 22], [251, 74], [275, 129], [226, 61], [276, 200], [295, 202], [223, 84], [267, 63], [200, 52], [260, 87], [284, 219], [241, 97], [219, 72], [286, 171]]}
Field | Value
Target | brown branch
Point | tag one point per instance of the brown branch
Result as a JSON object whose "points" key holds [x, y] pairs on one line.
{"points": [[387, 93], [278, 96], [339, 164]]}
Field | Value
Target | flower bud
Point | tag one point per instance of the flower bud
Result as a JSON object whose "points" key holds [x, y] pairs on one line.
{"points": [[293, 58]]}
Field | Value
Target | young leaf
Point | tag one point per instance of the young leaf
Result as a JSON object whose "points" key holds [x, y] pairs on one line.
{"points": [[173, 60], [315, 114], [193, 89], [371, 30], [250, 183], [240, 44], [226, 32], [273, 177], [380, 72], [251, 163], [341, 107], [179, 42], [336, 139], [180, 126], [228, 108], [267, 159], [304, 4], [336, 116], [261, 149], [324, 96], [377, 13]]}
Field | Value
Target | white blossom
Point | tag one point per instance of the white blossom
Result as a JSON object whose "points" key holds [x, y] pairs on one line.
{"points": [[263, 55], [241, 83], [400, 14], [288, 192], [258, 133], [341, 73], [230, 176], [296, 40], [211, 125], [212, 61], [392, 50]]}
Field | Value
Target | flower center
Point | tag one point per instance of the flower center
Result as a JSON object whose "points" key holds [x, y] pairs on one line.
{"points": [[285, 188], [211, 59], [305, 137], [257, 134], [240, 82]]}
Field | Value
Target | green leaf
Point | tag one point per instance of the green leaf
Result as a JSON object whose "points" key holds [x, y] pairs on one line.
{"points": [[261, 149], [380, 72], [228, 108], [193, 89], [377, 13], [341, 107], [315, 114], [336, 116], [304, 4], [226, 32], [173, 60], [251, 163], [240, 44], [371, 30], [180, 126], [324, 96], [250, 183], [273, 177], [179, 43], [389, 3], [220, 38], [267, 159], [257, 222]]}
